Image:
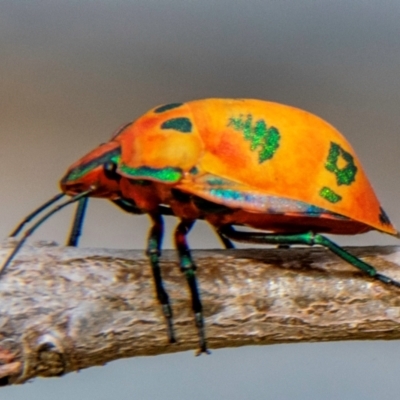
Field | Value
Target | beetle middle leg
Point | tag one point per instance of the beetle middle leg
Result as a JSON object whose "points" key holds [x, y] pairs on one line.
{"points": [[188, 267], [153, 252]]}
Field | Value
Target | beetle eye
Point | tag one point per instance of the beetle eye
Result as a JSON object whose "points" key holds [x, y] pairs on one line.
{"points": [[110, 166], [110, 170]]}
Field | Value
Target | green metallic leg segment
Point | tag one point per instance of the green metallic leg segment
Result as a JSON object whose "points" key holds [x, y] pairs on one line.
{"points": [[189, 269], [153, 252], [310, 239], [369, 269]]}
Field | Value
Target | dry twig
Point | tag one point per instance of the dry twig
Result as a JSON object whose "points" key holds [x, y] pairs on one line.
{"points": [[64, 309]]}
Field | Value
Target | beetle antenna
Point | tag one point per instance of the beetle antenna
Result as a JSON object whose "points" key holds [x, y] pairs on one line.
{"points": [[29, 231], [33, 214], [78, 222]]}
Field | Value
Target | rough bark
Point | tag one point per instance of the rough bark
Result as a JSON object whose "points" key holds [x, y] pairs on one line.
{"points": [[64, 309]]}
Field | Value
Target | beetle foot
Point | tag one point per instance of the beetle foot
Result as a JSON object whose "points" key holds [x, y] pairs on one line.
{"points": [[387, 280], [202, 338], [170, 330]]}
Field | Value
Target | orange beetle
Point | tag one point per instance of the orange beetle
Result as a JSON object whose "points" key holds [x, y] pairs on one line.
{"points": [[236, 162]]}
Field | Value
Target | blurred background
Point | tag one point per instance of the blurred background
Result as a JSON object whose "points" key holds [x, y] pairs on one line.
{"points": [[71, 72]]}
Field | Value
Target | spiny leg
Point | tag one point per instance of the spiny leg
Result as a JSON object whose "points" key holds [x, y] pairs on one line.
{"points": [[78, 222], [153, 252], [310, 239], [189, 269]]}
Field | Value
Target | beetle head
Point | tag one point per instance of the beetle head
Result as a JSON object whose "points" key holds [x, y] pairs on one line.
{"points": [[96, 169]]}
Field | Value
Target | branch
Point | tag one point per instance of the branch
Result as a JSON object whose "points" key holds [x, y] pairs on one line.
{"points": [[63, 309]]}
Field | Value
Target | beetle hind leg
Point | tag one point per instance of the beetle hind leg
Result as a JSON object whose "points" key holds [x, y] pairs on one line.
{"points": [[353, 260], [307, 238], [188, 267], [153, 252], [225, 241]]}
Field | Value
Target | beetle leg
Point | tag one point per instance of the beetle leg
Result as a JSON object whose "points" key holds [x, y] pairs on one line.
{"points": [[78, 221], [189, 269], [153, 252], [307, 238], [369, 269], [225, 241]]}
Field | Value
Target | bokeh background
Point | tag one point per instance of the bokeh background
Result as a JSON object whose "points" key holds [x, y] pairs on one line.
{"points": [[71, 72]]}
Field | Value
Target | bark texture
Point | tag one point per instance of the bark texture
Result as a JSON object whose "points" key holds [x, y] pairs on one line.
{"points": [[63, 309]]}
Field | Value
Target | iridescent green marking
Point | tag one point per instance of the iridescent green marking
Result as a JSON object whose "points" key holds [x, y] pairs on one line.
{"points": [[212, 181], [228, 194], [168, 174], [259, 135], [329, 195], [314, 211], [167, 107], [383, 217], [345, 175], [271, 204], [82, 170], [183, 125]]}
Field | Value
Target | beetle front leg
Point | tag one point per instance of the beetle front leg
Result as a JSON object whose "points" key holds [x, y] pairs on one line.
{"points": [[189, 269], [77, 223], [153, 252]]}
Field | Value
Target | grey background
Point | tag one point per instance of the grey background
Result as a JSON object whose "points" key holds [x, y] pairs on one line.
{"points": [[71, 72]]}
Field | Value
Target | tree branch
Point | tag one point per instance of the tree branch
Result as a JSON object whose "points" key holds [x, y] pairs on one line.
{"points": [[63, 309]]}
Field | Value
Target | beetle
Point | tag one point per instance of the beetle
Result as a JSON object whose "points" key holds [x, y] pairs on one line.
{"points": [[234, 162]]}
